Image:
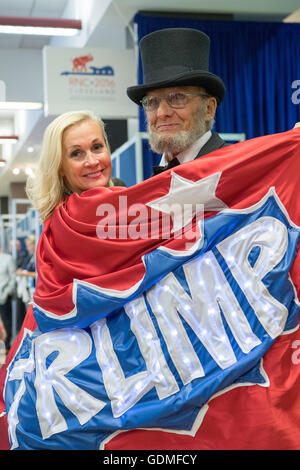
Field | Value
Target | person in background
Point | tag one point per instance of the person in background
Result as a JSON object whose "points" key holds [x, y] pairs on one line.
{"points": [[21, 258], [179, 95], [27, 268], [21, 254], [26, 279], [7, 286]]}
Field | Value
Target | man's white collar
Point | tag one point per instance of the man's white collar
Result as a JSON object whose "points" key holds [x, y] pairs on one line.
{"points": [[191, 152]]}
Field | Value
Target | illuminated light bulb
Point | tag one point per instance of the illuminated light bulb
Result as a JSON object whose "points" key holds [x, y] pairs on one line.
{"points": [[120, 401], [73, 337], [149, 336], [207, 261], [233, 314], [187, 307], [156, 365], [223, 338], [247, 284], [73, 398], [230, 259], [160, 308], [204, 332], [166, 288], [186, 360], [218, 287], [243, 236], [211, 311], [221, 357], [16, 171], [201, 283], [174, 333]]}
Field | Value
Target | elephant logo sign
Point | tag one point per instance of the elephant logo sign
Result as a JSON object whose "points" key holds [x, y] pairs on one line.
{"points": [[79, 63], [79, 67]]}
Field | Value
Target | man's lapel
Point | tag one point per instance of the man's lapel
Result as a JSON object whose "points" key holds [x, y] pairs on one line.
{"points": [[214, 143]]}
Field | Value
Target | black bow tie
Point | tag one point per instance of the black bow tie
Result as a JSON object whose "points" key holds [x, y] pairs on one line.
{"points": [[160, 169]]}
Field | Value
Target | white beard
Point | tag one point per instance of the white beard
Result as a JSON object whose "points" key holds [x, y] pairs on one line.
{"points": [[172, 145]]}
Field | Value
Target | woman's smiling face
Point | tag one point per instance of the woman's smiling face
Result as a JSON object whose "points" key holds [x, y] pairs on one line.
{"points": [[86, 159]]}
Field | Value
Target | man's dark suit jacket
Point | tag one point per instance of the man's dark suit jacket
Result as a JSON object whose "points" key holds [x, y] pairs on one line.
{"points": [[214, 143]]}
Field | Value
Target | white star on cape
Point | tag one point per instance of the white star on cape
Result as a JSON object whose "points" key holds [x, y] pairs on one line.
{"points": [[186, 198]]}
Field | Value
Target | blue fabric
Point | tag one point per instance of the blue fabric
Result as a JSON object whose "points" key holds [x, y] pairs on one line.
{"points": [[258, 63]]}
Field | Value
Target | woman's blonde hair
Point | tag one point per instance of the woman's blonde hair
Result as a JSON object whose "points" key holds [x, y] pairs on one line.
{"points": [[46, 188]]}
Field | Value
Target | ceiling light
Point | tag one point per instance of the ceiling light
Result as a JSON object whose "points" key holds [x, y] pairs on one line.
{"points": [[39, 26], [17, 105], [16, 171], [8, 139]]}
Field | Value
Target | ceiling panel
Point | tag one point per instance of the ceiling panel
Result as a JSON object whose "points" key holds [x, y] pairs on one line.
{"points": [[16, 7], [49, 8], [34, 8]]}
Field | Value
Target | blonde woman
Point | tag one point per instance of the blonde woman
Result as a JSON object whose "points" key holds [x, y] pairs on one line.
{"points": [[75, 157]]}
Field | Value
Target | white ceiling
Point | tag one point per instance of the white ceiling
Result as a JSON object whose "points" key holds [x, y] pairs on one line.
{"points": [[35, 8], [107, 17]]}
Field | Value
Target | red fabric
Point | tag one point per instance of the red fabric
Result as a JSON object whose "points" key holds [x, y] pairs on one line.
{"points": [[245, 418], [248, 417], [30, 324], [68, 246]]}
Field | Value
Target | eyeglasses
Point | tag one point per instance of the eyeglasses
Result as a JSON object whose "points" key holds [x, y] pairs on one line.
{"points": [[175, 99]]}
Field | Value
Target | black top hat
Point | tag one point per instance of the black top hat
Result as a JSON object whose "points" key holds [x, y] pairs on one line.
{"points": [[176, 57]]}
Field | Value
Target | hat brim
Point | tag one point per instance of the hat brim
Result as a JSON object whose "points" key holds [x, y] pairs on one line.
{"points": [[212, 84]]}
